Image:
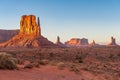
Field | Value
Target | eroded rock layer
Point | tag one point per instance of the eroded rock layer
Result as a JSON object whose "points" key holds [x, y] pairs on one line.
{"points": [[29, 26]]}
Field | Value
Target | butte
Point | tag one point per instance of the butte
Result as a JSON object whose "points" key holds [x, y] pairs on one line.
{"points": [[29, 34]]}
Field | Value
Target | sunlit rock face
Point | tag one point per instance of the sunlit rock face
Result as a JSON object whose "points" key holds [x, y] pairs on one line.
{"points": [[77, 42], [73, 42], [29, 26], [112, 42]]}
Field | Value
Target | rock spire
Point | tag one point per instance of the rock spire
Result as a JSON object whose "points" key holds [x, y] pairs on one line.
{"points": [[112, 41], [59, 43]]}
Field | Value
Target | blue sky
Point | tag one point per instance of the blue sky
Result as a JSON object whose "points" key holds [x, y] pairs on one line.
{"points": [[93, 19]]}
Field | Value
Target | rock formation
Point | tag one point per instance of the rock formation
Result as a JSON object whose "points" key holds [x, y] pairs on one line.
{"points": [[59, 43], [83, 41], [29, 26], [77, 42], [73, 42], [29, 35], [94, 44], [112, 42], [58, 39]]}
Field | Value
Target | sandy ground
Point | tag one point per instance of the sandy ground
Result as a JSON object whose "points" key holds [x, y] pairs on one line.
{"points": [[42, 73]]}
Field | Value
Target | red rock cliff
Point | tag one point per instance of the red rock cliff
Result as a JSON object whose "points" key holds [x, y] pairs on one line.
{"points": [[29, 26]]}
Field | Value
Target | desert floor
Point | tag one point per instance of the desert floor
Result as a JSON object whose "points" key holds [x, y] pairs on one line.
{"points": [[42, 73], [102, 63]]}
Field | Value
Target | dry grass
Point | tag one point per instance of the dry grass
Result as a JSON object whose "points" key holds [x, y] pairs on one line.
{"points": [[61, 65], [43, 62], [7, 61]]}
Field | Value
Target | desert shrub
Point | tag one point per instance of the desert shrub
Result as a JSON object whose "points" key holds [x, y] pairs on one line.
{"points": [[37, 65], [73, 67], [51, 54], [61, 65], [29, 66], [26, 62], [111, 56], [118, 54], [43, 62], [66, 50], [7, 61], [79, 58]]}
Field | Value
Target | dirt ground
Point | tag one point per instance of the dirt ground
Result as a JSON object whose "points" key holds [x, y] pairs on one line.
{"points": [[43, 73], [102, 63]]}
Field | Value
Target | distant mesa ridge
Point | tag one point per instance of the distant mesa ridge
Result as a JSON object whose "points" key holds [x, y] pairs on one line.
{"points": [[77, 42]]}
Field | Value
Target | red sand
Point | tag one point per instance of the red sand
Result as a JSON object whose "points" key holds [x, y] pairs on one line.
{"points": [[42, 73]]}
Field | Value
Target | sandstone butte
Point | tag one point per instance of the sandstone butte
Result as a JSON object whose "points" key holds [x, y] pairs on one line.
{"points": [[29, 34], [76, 42], [29, 26]]}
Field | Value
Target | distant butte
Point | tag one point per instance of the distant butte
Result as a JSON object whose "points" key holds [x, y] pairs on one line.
{"points": [[77, 42], [29, 34], [112, 42]]}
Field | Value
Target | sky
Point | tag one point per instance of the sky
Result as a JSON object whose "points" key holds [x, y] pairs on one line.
{"points": [[92, 19]]}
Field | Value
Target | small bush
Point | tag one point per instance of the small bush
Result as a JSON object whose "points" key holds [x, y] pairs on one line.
{"points": [[79, 59], [61, 65], [29, 66], [74, 68], [44, 62], [7, 61]]}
